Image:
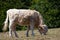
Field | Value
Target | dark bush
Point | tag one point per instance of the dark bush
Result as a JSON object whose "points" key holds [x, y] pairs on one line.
{"points": [[49, 9]]}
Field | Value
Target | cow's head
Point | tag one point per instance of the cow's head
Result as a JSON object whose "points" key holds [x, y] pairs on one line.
{"points": [[43, 29]]}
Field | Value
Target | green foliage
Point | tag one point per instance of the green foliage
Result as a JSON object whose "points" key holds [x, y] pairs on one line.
{"points": [[49, 9]]}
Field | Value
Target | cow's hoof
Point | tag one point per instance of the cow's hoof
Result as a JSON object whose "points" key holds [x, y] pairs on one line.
{"points": [[33, 35], [27, 36]]}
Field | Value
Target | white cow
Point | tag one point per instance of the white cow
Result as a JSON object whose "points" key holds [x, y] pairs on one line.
{"points": [[24, 17]]}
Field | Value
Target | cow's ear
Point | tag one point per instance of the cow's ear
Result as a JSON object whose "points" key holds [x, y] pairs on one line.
{"points": [[46, 29], [41, 26]]}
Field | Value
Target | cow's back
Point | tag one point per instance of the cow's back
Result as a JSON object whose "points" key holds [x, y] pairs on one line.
{"points": [[26, 15], [13, 13]]}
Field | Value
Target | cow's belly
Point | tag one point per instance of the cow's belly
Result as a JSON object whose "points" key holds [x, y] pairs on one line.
{"points": [[23, 21]]}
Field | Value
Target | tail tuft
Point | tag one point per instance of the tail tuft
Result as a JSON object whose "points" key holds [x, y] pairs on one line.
{"points": [[5, 24], [5, 27]]}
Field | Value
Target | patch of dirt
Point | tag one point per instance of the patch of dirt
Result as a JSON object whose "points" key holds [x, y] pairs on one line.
{"points": [[52, 34]]}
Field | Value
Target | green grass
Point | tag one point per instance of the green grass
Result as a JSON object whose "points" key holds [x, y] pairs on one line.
{"points": [[52, 34]]}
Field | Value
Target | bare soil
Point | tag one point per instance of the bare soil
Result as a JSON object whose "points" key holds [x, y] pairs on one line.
{"points": [[52, 34]]}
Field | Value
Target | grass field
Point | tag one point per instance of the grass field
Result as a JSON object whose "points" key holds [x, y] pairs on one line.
{"points": [[53, 34]]}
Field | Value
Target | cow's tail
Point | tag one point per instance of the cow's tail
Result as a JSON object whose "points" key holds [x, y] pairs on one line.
{"points": [[5, 23]]}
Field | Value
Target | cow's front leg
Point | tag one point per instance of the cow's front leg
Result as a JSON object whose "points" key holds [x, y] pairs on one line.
{"points": [[32, 27], [28, 28]]}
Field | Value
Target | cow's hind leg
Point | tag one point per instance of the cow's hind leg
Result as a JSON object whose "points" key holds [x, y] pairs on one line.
{"points": [[14, 29], [10, 28], [28, 28]]}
